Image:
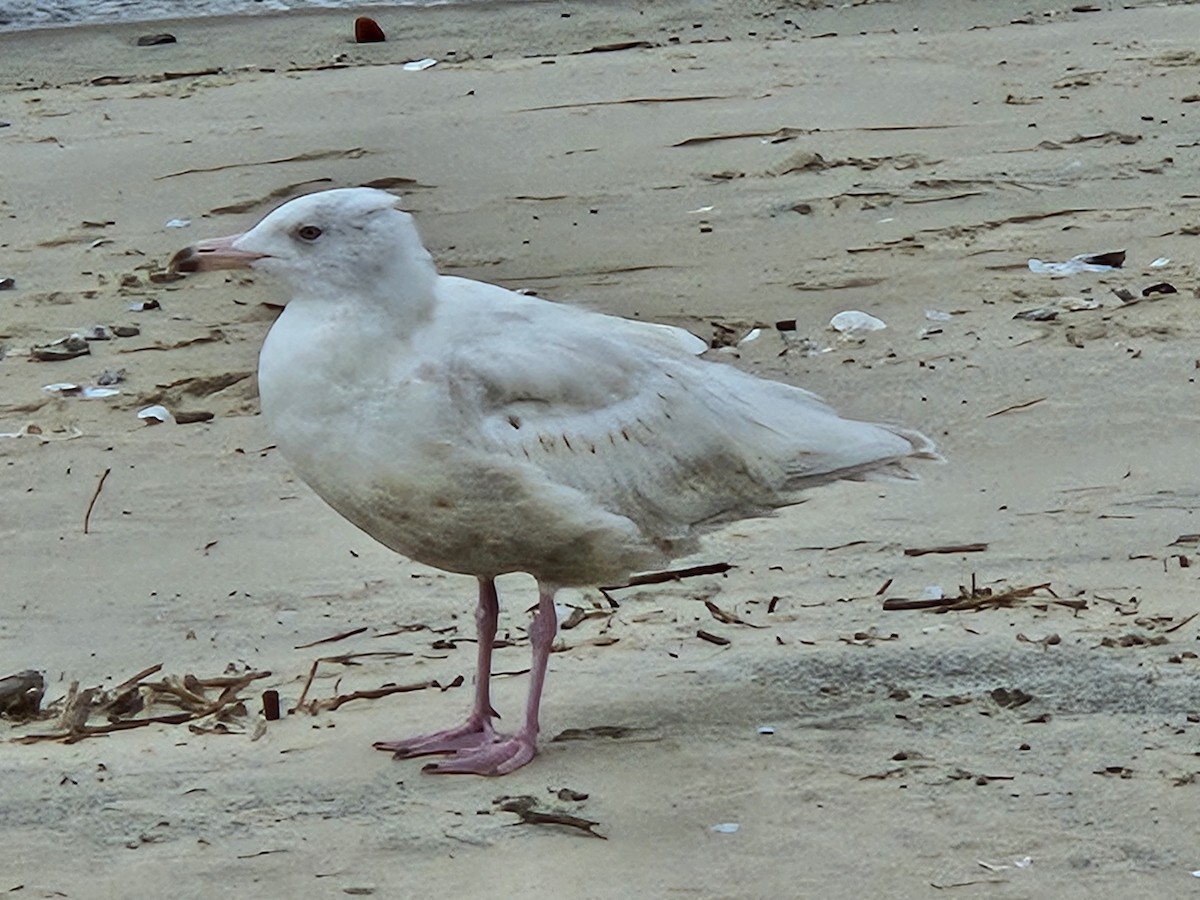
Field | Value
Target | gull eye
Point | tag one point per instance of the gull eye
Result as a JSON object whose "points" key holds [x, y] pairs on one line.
{"points": [[308, 232]]}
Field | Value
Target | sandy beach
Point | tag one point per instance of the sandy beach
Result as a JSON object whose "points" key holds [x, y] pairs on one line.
{"points": [[723, 169]]}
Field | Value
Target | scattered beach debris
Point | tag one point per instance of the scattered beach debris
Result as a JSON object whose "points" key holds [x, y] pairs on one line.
{"points": [[367, 31], [665, 576], [1064, 304], [81, 391], [728, 618], [526, 808], [87, 516], [1161, 287], [1084, 262], [281, 193], [156, 40], [270, 702], [719, 640], [614, 47], [946, 548], [853, 323], [65, 348], [21, 695], [121, 704], [32, 429], [793, 340], [976, 598], [96, 333], [418, 65], [314, 706], [155, 415], [1014, 407]]}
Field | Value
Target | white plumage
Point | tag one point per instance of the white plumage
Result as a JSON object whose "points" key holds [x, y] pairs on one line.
{"points": [[481, 431]]}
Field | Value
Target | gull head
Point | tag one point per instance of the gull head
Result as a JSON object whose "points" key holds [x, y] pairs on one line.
{"points": [[343, 238]]}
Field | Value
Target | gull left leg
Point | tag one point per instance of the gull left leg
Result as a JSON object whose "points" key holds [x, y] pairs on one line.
{"points": [[505, 753]]}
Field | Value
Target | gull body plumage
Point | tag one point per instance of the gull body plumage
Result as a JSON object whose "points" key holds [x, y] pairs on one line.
{"points": [[481, 431]]}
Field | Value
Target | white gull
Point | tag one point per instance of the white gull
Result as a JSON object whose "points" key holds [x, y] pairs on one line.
{"points": [[481, 431]]}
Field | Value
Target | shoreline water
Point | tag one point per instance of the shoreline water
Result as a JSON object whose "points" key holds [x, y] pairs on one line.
{"points": [[28, 15]]}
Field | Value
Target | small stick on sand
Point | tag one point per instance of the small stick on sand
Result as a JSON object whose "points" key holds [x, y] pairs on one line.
{"points": [[91, 503]]}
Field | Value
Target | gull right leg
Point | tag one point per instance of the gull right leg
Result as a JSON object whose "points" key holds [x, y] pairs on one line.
{"points": [[477, 730]]}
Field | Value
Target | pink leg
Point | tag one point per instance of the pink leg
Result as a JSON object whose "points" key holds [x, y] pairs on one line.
{"points": [[504, 753], [477, 730]]}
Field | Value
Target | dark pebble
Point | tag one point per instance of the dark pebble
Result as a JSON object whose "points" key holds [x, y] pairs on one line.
{"points": [[153, 40], [367, 31]]}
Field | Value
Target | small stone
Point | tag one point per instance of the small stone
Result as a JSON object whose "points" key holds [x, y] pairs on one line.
{"points": [[367, 31], [154, 40]]}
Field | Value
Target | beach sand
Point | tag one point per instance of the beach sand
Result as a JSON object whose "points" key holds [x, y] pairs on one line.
{"points": [[895, 158]]}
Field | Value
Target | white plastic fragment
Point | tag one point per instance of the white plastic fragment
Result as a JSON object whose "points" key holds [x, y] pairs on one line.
{"points": [[178, 223], [155, 415], [726, 828], [417, 65], [854, 322], [1072, 266], [1160, 262]]}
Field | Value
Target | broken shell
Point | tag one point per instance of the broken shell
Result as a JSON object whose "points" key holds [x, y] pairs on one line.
{"points": [[853, 321], [126, 330], [83, 392], [143, 305], [155, 415], [67, 348], [418, 64]]}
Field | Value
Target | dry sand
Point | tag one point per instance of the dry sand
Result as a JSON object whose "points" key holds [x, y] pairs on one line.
{"points": [[955, 142]]}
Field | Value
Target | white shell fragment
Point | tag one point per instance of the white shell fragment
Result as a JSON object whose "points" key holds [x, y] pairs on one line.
{"points": [[765, 729], [155, 415], [81, 391], [1160, 262], [752, 335], [726, 828], [418, 64], [937, 315], [855, 322], [178, 223]]}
